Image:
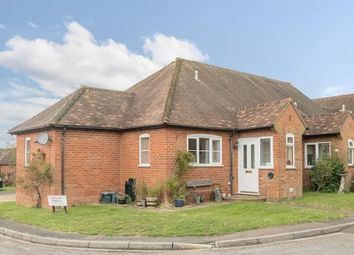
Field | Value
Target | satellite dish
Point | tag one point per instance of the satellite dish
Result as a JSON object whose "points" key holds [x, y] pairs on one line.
{"points": [[43, 138]]}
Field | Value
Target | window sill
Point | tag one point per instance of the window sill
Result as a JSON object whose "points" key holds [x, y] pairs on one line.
{"points": [[308, 167], [290, 168], [350, 164], [266, 168], [144, 166], [201, 166]]}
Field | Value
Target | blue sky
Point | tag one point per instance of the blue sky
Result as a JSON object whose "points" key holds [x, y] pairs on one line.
{"points": [[49, 48]]}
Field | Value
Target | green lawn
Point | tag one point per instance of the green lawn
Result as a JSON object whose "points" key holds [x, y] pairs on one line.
{"points": [[8, 189], [212, 220], [329, 201]]}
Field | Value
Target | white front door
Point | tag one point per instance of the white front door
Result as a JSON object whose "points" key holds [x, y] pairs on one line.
{"points": [[248, 177]]}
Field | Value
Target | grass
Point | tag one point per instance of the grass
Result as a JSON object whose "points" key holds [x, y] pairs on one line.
{"points": [[124, 221], [328, 201], [8, 189]]}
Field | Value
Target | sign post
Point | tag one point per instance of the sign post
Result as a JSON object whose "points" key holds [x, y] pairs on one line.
{"points": [[58, 201]]}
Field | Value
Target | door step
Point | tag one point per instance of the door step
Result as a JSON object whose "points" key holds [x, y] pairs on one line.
{"points": [[242, 197]]}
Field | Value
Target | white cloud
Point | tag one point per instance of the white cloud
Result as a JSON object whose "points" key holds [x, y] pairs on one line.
{"points": [[58, 68], [81, 59], [333, 91], [160, 49], [32, 25], [3, 27]]}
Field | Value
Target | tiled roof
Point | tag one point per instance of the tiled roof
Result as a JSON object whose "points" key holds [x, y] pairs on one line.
{"points": [[261, 115], [329, 123], [336, 102], [219, 99]]}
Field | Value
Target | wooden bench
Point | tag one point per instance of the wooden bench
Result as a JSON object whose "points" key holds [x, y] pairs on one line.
{"points": [[202, 187]]}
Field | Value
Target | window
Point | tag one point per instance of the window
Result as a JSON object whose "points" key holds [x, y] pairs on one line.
{"points": [[266, 152], [27, 151], [316, 151], [144, 150], [205, 148], [290, 150], [351, 152]]}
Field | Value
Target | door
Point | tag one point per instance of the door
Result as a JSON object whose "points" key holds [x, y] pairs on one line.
{"points": [[248, 177]]}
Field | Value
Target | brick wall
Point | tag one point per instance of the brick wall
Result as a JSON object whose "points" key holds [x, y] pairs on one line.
{"points": [[52, 151]]}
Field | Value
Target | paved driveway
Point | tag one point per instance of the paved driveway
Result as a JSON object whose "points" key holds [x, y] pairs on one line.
{"points": [[7, 196]]}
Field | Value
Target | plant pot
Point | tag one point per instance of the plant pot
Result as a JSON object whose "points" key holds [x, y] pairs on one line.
{"points": [[179, 202], [143, 203]]}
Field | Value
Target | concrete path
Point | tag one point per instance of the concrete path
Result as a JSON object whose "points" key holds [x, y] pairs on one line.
{"points": [[7, 196]]}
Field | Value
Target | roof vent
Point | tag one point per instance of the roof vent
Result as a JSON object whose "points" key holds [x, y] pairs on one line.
{"points": [[196, 75], [343, 108]]}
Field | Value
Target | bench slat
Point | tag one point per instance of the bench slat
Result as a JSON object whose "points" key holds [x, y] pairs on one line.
{"points": [[199, 183]]}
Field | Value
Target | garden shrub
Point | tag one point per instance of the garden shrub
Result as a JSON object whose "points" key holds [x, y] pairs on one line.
{"points": [[325, 175]]}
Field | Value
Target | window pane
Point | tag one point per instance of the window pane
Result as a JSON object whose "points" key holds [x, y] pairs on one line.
{"points": [[194, 153], [27, 152], [252, 157], [145, 159], [311, 155], [290, 140], [192, 144], [216, 151], [244, 156], [204, 144], [203, 157], [351, 156], [323, 150], [290, 155], [145, 143], [265, 152]]}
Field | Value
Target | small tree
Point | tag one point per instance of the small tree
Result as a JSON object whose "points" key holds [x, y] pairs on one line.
{"points": [[38, 173]]}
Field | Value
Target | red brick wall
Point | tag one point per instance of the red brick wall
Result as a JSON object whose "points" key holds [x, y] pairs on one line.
{"points": [[52, 151], [91, 164], [290, 179]]}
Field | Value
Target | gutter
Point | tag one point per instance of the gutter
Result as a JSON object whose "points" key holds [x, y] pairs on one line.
{"points": [[62, 144], [231, 175]]}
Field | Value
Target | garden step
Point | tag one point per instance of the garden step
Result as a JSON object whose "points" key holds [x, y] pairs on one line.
{"points": [[242, 197]]}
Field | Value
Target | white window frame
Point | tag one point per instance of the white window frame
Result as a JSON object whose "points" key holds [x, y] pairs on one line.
{"points": [[27, 151], [140, 151], [316, 151], [271, 166], [350, 148], [288, 145], [211, 139]]}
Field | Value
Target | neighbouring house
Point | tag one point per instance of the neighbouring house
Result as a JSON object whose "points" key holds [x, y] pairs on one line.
{"points": [[248, 134], [7, 161]]}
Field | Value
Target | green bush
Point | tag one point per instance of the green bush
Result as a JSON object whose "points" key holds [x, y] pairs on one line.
{"points": [[326, 174]]}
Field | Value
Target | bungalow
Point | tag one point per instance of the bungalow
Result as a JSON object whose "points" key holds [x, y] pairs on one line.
{"points": [[249, 134]]}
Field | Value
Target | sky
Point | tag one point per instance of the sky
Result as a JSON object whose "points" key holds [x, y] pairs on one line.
{"points": [[50, 48]]}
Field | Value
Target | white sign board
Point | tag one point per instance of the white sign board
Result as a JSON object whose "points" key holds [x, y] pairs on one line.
{"points": [[57, 201]]}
